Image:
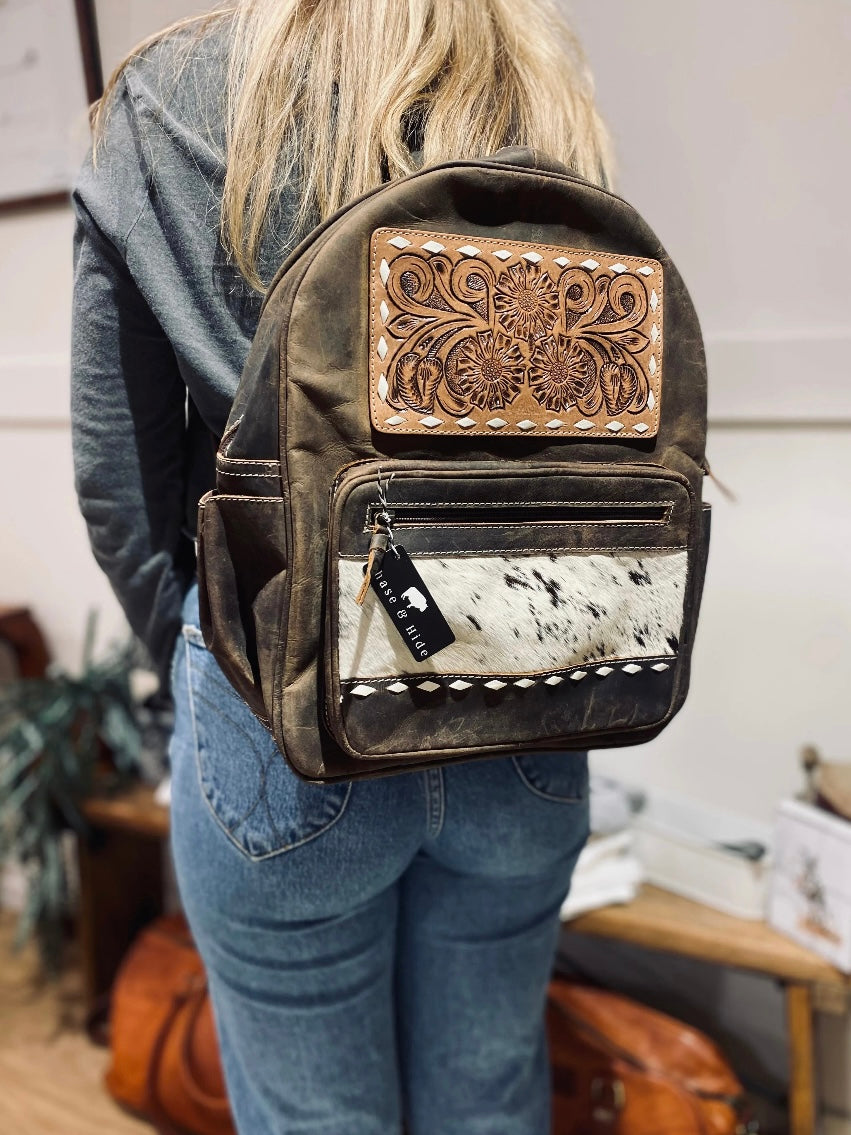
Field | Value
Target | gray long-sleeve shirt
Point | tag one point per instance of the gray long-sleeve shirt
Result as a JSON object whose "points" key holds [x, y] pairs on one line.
{"points": [[162, 323]]}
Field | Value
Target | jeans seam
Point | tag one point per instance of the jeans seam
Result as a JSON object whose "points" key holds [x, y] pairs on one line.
{"points": [[435, 801], [552, 796]]}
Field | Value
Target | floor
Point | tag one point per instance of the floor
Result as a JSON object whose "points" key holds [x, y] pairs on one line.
{"points": [[50, 1073]]}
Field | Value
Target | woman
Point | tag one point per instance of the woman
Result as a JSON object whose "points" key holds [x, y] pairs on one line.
{"points": [[377, 952]]}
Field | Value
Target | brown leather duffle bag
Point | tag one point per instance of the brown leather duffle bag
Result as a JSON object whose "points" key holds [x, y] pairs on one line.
{"points": [[458, 500], [165, 1055], [620, 1068]]}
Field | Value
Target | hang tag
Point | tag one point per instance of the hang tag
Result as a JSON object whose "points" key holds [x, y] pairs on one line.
{"points": [[410, 605]]}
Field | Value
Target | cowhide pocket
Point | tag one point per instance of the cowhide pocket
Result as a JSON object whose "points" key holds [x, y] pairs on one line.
{"points": [[565, 587]]}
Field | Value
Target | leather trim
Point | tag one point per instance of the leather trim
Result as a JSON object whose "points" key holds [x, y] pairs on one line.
{"points": [[470, 335], [656, 662]]}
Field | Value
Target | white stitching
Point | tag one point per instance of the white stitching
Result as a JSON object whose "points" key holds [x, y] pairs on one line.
{"points": [[612, 551], [237, 497], [517, 243], [518, 504], [248, 461], [474, 431], [527, 524], [434, 675], [227, 473]]}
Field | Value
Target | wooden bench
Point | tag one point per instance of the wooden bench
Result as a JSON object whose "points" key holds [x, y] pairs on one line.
{"points": [[659, 920]]}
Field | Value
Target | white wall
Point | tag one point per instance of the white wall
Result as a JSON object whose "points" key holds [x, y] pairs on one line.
{"points": [[772, 663], [729, 121], [123, 23], [45, 561]]}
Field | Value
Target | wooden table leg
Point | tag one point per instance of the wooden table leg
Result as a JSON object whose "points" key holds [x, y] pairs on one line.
{"points": [[799, 1022], [121, 890]]}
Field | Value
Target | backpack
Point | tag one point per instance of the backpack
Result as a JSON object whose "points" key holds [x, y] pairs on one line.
{"points": [[485, 381]]}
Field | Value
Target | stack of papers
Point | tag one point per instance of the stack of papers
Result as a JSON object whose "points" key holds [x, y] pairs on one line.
{"points": [[607, 872]]}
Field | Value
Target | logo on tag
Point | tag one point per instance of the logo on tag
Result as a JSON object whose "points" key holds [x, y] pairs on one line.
{"points": [[415, 598], [410, 604]]}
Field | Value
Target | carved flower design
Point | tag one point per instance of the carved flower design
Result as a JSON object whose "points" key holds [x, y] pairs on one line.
{"points": [[526, 301], [563, 374], [489, 369]]}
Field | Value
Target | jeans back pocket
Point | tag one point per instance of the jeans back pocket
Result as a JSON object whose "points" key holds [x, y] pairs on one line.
{"points": [[558, 776], [255, 797]]}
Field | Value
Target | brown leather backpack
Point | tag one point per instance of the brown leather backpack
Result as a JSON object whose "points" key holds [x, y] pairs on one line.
{"points": [[619, 1068], [165, 1057], [458, 500]]}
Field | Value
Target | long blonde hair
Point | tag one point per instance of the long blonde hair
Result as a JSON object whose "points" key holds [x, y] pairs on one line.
{"points": [[332, 91]]}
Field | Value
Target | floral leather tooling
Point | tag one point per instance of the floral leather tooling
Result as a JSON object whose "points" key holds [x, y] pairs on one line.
{"points": [[475, 335]]}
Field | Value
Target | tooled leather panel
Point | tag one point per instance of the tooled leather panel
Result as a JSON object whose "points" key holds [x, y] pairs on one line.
{"points": [[473, 335]]}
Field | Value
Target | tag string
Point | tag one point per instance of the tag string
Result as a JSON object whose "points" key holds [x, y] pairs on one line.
{"points": [[382, 539], [384, 518]]}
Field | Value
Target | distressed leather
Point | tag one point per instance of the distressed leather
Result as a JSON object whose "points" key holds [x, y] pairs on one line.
{"points": [[302, 420]]}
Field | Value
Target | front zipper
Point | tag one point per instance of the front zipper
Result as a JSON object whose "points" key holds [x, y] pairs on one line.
{"points": [[495, 515]]}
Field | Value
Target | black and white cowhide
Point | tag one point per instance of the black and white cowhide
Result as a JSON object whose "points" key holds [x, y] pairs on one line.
{"points": [[520, 614]]}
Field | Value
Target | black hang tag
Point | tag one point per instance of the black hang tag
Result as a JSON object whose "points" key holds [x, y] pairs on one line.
{"points": [[410, 604]]}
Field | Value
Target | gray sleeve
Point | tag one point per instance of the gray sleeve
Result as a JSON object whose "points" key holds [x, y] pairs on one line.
{"points": [[127, 402]]}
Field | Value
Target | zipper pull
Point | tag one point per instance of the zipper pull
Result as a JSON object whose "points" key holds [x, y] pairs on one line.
{"points": [[378, 545], [725, 492], [382, 539]]}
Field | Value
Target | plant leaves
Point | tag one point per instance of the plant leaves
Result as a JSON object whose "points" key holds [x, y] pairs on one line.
{"points": [[52, 734]]}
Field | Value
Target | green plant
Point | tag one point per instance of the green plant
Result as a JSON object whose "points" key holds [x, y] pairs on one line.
{"points": [[59, 736]]}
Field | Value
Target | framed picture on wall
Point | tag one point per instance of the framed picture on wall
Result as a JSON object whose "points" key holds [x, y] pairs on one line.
{"points": [[49, 74]]}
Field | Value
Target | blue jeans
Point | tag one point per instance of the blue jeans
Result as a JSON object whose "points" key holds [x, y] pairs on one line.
{"points": [[376, 950]]}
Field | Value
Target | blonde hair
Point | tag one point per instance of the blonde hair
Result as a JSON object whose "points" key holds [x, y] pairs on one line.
{"points": [[332, 92]]}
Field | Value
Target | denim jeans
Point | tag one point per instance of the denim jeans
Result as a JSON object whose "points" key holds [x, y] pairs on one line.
{"points": [[377, 951]]}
